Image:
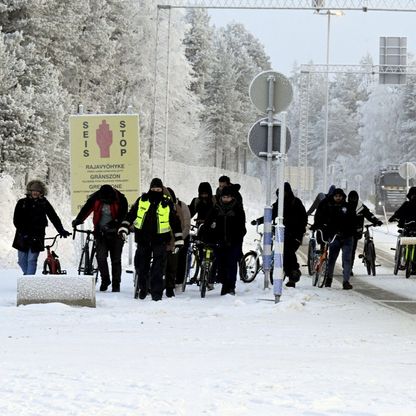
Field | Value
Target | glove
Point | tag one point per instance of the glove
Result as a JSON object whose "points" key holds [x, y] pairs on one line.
{"points": [[75, 223], [123, 232], [392, 219], [178, 246], [254, 222], [64, 234], [379, 223]]}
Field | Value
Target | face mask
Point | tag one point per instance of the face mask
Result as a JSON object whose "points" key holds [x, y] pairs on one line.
{"points": [[155, 196]]}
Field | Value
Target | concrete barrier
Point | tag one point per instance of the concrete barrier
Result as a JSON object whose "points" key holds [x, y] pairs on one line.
{"points": [[70, 290]]}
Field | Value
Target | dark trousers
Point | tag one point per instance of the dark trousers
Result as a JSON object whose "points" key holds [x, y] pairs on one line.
{"points": [[227, 262], [346, 245], [113, 244], [171, 269], [290, 261], [182, 259], [150, 277], [354, 248]]}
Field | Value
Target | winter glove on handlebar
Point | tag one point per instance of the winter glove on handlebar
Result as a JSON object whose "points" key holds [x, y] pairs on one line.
{"points": [[123, 232], [64, 234], [76, 222]]}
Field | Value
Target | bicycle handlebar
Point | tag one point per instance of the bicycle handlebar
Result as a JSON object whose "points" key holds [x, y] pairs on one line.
{"points": [[322, 237], [52, 238], [89, 232]]}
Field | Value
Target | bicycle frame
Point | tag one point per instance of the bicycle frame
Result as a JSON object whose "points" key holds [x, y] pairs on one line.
{"points": [[52, 265], [368, 255], [408, 240], [88, 254], [321, 262]]}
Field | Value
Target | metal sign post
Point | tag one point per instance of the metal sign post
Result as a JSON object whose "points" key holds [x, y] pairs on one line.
{"points": [[278, 272], [271, 92]]}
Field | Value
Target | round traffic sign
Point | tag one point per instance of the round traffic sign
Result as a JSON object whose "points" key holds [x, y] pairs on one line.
{"points": [[258, 137], [407, 170], [282, 91]]}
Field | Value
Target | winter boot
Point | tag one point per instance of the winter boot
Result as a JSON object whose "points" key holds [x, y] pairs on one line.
{"points": [[346, 285], [170, 293]]}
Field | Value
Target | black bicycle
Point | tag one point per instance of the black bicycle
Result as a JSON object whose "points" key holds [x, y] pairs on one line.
{"points": [[88, 260], [193, 261], [206, 279], [313, 253], [369, 251]]}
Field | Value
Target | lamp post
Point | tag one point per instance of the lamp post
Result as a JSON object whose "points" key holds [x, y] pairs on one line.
{"points": [[329, 13]]}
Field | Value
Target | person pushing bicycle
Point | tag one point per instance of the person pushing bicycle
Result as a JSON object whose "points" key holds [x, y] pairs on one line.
{"points": [[336, 218], [362, 212], [109, 207], [30, 218], [154, 218]]}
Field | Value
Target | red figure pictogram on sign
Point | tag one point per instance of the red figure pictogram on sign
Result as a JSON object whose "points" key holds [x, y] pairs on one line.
{"points": [[104, 138]]}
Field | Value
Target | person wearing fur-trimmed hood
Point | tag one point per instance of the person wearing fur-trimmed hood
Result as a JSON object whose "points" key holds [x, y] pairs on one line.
{"points": [[30, 218]]}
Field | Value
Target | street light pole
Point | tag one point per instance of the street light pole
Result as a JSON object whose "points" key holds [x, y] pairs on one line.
{"points": [[328, 38], [325, 162]]}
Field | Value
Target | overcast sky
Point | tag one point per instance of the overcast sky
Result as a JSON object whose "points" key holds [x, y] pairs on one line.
{"points": [[301, 36]]}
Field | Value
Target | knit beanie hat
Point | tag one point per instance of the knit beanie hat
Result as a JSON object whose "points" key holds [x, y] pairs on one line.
{"points": [[156, 183]]}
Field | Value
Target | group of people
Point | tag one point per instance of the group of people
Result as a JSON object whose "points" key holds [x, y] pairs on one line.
{"points": [[161, 226], [341, 221]]}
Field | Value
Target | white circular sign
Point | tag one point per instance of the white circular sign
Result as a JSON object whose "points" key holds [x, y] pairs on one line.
{"points": [[407, 170], [282, 91]]}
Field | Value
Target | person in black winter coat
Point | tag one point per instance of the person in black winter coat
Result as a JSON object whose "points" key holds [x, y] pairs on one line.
{"points": [[224, 181], [109, 207], [407, 211], [295, 221], [30, 218], [362, 212], [154, 218], [336, 218], [225, 226], [203, 203]]}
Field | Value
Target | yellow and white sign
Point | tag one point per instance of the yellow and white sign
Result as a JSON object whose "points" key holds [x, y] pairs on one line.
{"points": [[104, 150]]}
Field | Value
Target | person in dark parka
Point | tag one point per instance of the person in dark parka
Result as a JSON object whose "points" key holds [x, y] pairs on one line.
{"points": [[203, 203], [407, 211], [336, 218], [109, 207], [295, 221], [362, 212], [30, 218], [225, 226]]}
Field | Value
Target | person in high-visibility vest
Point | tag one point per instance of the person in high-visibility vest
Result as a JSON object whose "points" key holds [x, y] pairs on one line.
{"points": [[154, 219]]}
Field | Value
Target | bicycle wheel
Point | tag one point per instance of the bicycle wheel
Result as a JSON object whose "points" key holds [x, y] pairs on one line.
{"points": [[398, 258], [58, 267], [81, 265], [311, 256], [371, 258], [203, 282], [46, 267], [320, 274], [136, 285], [94, 263], [195, 264], [249, 267]]}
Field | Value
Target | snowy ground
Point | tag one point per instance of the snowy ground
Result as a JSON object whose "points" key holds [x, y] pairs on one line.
{"points": [[318, 352]]}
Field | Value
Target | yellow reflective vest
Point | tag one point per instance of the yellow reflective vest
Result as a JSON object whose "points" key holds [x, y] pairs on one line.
{"points": [[163, 225]]}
